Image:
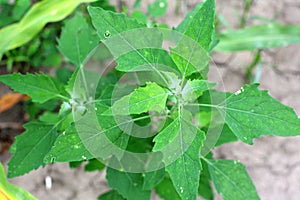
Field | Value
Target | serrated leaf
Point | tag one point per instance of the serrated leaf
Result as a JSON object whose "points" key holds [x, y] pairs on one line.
{"points": [[111, 195], [77, 40], [31, 147], [119, 34], [91, 142], [231, 180], [143, 99], [258, 37], [166, 190], [252, 113], [9, 191], [109, 24], [199, 24], [35, 19], [185, 140], [68, 147], [190, 54], [40, 87], [185, 171], [129, 185]]}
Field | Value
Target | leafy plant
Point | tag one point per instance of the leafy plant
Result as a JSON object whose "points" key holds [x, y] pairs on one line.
{"points": [[152, 120]]}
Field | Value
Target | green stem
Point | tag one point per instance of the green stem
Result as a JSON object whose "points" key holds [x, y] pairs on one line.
{"points": [[247, 6], [252, 66]]}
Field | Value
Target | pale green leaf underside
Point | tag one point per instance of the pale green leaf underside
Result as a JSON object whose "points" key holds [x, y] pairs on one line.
{"points": [[231, 180], [252, 113], [195, 88], [77, 40], [9, 191], [151, 97], [258, 37], [31, 148], [40, 87]]}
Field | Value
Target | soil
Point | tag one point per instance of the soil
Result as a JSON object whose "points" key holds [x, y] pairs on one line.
{"points": [[273, 163]]}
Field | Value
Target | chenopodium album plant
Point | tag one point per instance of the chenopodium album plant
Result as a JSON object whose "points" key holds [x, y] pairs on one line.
{"points": [[154, 118]]}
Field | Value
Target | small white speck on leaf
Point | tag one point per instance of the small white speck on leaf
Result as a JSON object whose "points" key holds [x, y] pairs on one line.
{"points": [[162, 4], [181, 190]]}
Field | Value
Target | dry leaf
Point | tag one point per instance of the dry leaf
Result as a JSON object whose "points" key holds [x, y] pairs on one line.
{"points": [[9, 100]]}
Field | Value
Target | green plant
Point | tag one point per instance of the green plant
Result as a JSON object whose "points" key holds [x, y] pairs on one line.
{"points": [[152, 120]]}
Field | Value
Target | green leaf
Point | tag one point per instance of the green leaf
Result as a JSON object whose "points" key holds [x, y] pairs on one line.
{"points": [[199, 24], [258, 37], [231, 180], [194, 89], [72, 146], [49, 118], [189, 57], [190, 54], [205, 189], [151, 179], [12, 12], [75, 164], [77, 40], [145, 60], [129, 185], [186, 141], [143, 99], [39, 87], [166, 190], [68, 147], [9, 191], [34, 20], [31, 147], [111, 195], [105, 4], [63, 74], [109, 24], [94, 165], [158, 8], [252, 113], [226, 136], [119, 34], [140, 16]]}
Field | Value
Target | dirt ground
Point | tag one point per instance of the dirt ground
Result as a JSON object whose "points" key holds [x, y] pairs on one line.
{"points": [[272, 162]]}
